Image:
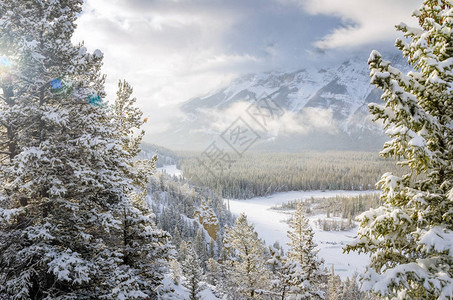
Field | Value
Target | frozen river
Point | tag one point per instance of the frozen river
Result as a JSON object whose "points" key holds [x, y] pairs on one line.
{"points": [[271, 227]]}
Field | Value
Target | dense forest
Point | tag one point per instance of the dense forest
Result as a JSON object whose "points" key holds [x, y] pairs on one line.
{"points": [[175, 202], [259, 174]]}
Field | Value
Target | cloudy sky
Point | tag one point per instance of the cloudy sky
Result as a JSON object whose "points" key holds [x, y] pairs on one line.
{"points": [[173, 50]]}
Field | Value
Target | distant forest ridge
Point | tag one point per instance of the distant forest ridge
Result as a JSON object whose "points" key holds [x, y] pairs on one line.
{"points": [[259, 173]]}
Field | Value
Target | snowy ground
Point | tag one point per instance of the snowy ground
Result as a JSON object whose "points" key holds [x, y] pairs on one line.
{"points": [[170, 170], [271, 227], [181, 293]]}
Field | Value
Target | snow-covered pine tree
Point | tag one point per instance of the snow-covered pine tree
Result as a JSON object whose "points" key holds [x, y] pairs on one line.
{"points": [[212, 249], [65, 172], [351, 290], [410, 237], [225, 284], [334, 287], [176, 237], [182, 251], [192, 273], [213, 272], [281, 272], [348, 289], [199, 246], [307, 275], [146, 249], [176, 271], [248, 258]]}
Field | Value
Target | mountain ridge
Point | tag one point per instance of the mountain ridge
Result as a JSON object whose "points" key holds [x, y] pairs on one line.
{"points": [[325, 108]]}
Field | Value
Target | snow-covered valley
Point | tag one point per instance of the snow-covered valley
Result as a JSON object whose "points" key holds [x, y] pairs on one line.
{"points": [[171, 170], [271, 226]]}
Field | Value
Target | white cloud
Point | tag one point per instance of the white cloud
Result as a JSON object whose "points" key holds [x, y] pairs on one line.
{"points": [[168, 52], [304, 122], [171, 51], [364, 21]]}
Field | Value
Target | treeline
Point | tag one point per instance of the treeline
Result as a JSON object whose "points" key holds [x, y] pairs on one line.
{"points": [[344, 207], [260, 174], [335, 225], [338, 206]]}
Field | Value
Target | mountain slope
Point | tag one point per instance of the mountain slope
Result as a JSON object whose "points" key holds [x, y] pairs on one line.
{"points": [[322, 109]]}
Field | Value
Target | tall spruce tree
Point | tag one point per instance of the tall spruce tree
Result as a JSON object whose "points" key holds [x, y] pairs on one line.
{"points": [[305, 270], [247, 255], [282, 271], [146, 249], [199, 246], [66, 173], [410, 237], [193, 273]]}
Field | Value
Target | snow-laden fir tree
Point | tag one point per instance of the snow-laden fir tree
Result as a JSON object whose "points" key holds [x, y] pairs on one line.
{"points": [[199, 246], [351, 289], [193, 273], [182, 251], [410, 237], [212, 249], [222, 271], [146, 249], [247, 255], [67, 174], [306, 271], [334, 287], [213, 272], [176, 237], [176, 271], [281, 272]]}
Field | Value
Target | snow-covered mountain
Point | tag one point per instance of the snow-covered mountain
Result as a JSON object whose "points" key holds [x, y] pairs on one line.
{"points": [[322, 108]]}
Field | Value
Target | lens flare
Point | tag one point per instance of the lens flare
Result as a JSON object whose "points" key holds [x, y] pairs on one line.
{"points": [[5, 69], [56, 84], [94, 99], [5, 62]]}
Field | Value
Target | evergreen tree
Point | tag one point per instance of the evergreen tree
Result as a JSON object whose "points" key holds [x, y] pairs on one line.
{"points": [[183, 251], [176, 271], [281, 269], [193, 273], [248, 258], [212, 249], [67, 174], [351, 290], [213, 271], [334, 286], [409, 238], [226, 273], [200, 247], [146, 248], [176, 237], [307, 275]]}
